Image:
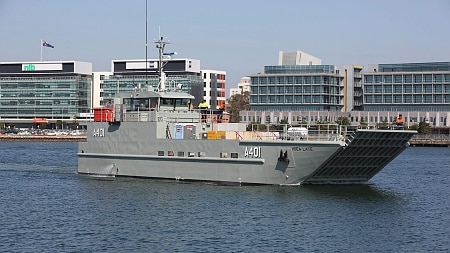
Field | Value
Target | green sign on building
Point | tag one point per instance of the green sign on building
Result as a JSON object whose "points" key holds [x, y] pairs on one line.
{"points": [[29, 67]]}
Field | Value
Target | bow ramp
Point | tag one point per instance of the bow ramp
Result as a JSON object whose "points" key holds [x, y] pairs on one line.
{"points": [[366, 153]]}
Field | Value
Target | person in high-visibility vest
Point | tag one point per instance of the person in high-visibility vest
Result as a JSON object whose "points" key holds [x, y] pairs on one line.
{"points": [[203, 106], [400, 121]]}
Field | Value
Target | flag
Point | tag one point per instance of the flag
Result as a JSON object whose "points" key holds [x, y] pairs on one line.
{"points": [[45, 44]]}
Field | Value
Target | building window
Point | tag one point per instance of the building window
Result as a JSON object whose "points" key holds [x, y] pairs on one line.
{"points": [[417, 78], [377, 79], [417, 88], [280, 90], [307, 80], [407, 78], [428, 88], [289, 89], [378, 88], [307, 89], [437, 78], [438, 88], [315, 89], [397, 89], [407, 88], [408, 98], [368, 88], [290, 80], [417, 99], [388, 99], [378, 99], [387, 89], [262, 90], [447, 78], [387, 79]]}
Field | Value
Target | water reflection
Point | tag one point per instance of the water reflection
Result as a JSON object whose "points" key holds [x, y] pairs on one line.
{"points": [[356, 191]]}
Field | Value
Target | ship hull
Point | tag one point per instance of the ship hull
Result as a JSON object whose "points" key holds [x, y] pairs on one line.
{"points": [[129, 150], [132, 149]]}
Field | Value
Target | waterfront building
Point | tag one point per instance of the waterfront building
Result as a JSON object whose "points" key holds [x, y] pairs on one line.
{"points": [[312, 93], [55, 90], [297, 88], [407, 87], [182, 74]]}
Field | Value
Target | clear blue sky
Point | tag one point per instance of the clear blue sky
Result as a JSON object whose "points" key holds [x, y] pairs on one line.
{"points": [[237, 36]]}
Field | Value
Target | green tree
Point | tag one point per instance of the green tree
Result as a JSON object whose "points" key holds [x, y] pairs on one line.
{"points": [[363, 123], [414, 127], [383, 125], [75, 123], [59, 124], [237, 103], [424, 128], [343, 121]]}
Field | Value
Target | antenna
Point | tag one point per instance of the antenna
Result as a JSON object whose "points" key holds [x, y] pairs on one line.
{"points": [[161, 44], [146, 45]]}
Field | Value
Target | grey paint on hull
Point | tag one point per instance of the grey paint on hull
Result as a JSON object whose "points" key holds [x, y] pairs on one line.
{"points": [[114, 153], [131, 149]]}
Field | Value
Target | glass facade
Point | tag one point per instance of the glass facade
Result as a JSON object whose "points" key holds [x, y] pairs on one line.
{"points": [[127, 83], [45, 96], [408, 87], [297, 88]]}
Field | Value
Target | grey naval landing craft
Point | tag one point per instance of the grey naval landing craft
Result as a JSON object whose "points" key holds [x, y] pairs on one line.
{"points": [[155, 134]]}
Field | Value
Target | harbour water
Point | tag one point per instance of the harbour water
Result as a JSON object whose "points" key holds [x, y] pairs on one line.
{"points": [[45, 206]]}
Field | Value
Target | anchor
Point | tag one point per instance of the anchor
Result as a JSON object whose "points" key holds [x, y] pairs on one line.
{"points": [[283, 156]]}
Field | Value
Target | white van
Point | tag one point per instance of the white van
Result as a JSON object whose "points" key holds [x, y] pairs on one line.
{"points": [[297, 132]]}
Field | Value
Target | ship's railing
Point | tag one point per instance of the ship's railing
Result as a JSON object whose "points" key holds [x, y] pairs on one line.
{"points": [[213, 116], [318, 132], [103, 114]]}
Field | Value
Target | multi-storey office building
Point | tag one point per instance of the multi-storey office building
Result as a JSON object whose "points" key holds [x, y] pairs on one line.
{"points": [[184, 74], [418, 91], [297, 88], [407, 87], [64, 90], [53, 90]]}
